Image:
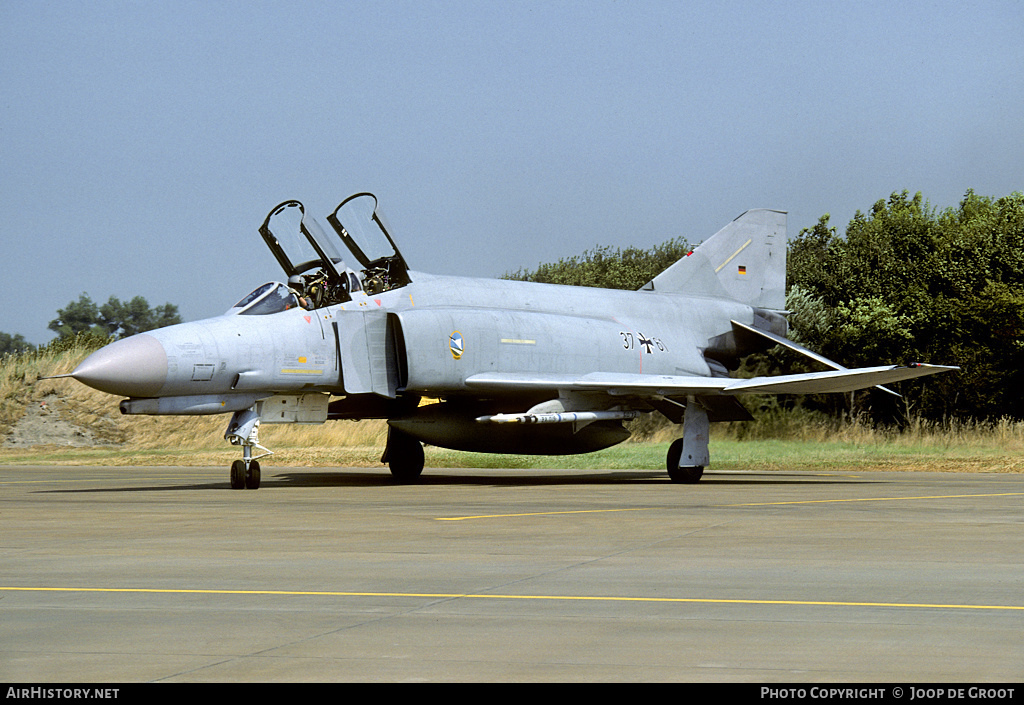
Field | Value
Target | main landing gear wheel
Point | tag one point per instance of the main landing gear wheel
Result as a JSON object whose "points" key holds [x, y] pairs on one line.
{"points": [[404, 456], [681, 474]]}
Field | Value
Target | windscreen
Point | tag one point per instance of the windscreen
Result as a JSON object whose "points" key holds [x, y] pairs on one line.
{"points": [[269, 298], [255, 294]]}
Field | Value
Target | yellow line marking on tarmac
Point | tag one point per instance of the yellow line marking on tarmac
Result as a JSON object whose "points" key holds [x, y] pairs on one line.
{"points": [[483, 596], [538, 514], [872, 499]]}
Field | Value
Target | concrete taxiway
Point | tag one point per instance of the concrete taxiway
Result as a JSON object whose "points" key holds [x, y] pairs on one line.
{"points": [[334, 574]]}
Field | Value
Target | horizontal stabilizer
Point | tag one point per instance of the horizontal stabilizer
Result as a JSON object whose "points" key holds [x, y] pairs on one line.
{"points": [[787, 343], [834, 381]]}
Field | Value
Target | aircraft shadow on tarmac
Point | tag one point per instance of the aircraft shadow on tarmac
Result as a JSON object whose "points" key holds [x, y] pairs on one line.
{"points": [[362, 478]]}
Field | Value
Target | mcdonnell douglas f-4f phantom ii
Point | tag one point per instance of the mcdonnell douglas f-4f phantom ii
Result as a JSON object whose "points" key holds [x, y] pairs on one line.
{"points": [[510, 366]]}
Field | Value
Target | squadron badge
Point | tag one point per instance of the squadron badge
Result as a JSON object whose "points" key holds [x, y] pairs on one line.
{"points": [[455, 344]]}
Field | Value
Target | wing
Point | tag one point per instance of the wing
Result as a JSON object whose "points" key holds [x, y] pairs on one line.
{"points": [[654, 386]]}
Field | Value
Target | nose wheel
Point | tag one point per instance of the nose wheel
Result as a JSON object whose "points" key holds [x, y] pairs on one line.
{"points": [[245, 478], [243, 430]]}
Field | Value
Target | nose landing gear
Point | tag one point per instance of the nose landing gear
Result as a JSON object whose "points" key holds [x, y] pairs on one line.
{"points": [[404, 456], [243, 430]]}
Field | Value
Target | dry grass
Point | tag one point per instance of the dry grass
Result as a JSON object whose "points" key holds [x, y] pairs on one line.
{"points": [[916, 433], [19, 375], [1005, 433], [796, 441]]}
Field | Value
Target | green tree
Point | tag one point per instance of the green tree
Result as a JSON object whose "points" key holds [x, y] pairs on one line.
{"points": [[11, 344], [608, 268], [113, 318], [135, 316], [80, 316], [910, 284], [814, 261]]}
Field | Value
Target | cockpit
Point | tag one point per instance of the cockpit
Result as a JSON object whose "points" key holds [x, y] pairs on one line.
{"points": [[312, 260]]}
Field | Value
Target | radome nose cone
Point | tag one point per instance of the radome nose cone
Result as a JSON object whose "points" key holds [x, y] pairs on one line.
{"points": [[133, 367]]}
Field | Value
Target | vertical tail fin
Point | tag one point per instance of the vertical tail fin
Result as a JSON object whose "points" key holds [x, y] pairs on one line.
{"points": [[744, 261]]}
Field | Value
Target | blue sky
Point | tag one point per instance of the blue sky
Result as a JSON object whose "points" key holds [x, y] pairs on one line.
{"points": [[143, 143]]}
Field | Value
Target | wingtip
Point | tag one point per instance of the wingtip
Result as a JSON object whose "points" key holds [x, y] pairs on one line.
{"points": [[947, 368]]}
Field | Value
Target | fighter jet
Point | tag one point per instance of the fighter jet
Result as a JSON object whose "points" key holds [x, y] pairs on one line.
{"points": [[493, 366]]}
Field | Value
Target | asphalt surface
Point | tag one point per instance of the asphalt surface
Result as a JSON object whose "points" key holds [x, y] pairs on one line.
{"points": [[334, 574]]}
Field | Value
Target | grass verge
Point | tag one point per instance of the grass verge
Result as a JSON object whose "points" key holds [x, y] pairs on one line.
{"points": [[811, 444], [731, 455]]}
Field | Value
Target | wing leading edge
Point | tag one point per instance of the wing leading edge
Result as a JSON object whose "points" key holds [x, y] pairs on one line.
{"points": [[616, 384]]}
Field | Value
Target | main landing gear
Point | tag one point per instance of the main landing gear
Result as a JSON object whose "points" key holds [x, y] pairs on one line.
{"points": [[688, 456], [243, 430], [404, 456]]}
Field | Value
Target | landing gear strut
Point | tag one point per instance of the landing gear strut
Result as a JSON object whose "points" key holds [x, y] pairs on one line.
{"points": [[404, 456], [688, 456], [243, 430]]}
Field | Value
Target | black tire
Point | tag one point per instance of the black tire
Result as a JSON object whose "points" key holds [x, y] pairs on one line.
{"points": [[238, 475], [405, 457], [686, 475], [252, 476]]}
